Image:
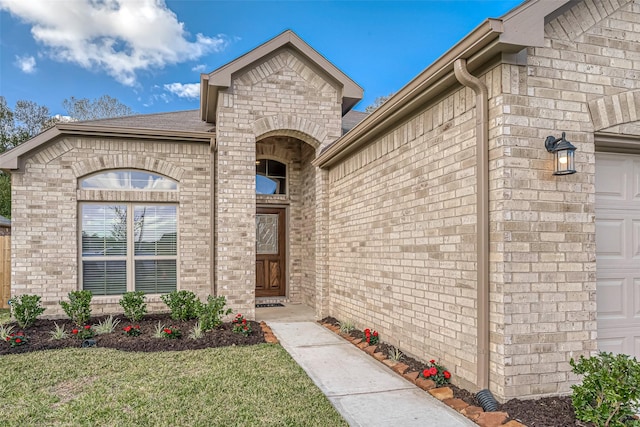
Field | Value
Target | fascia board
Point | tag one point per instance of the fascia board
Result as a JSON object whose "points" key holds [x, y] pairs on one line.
{"points": [[10, 159], [521, 27]]}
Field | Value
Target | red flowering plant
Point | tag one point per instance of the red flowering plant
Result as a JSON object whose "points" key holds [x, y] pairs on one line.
{"points": [[436, 372], [83, 333], [132, 331], [241, 326], [371, 336], [17, 339], [171, 333]]}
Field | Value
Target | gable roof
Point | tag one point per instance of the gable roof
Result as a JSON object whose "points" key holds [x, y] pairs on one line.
{"points": [[183, 126], [212, 83], [519, 28]]}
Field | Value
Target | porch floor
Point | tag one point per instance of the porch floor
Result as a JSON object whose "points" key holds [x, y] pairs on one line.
{"points": [[289, 313]]}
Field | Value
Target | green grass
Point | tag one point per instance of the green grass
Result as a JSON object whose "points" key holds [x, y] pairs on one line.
{"points": [[5, 315], [232, 386]]}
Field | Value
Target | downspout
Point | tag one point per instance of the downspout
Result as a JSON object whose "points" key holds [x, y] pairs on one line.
{"points": [[482, 209]]}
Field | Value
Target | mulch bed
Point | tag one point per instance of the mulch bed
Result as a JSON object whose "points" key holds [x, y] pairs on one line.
{"points": [[543, 412], [39, 336]]}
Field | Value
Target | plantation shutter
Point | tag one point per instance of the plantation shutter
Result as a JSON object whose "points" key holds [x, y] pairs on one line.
{"points": [[155, 248], [104, 249]]}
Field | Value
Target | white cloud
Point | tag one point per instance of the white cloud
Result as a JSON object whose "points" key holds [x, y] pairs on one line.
{"points": [[189, 90], [199, 68], [26, 63], [120, 37]]}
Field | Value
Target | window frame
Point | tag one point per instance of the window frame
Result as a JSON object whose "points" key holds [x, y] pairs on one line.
{"points": [[273, 177], [85, 178]]}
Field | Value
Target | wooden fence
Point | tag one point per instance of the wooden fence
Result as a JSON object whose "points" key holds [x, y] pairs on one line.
{"points": [[5, 271]]}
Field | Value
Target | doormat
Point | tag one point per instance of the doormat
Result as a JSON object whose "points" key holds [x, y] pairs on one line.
{"points": [[270, 304]]}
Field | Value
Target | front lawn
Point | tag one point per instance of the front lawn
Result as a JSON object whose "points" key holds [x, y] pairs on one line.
{"points": [[5, 315], [227, 386]]}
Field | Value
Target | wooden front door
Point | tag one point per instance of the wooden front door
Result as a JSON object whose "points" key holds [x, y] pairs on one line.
{"points": [[271, 249]]}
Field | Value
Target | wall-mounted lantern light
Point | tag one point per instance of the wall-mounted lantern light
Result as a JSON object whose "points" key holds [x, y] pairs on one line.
{"points": [[563, 154]]}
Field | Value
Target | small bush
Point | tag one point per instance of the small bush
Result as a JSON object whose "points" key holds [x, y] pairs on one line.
{"points": [[59, 333], [196, 332], [210, 314], [107, 326], [184, 305], [133, 305], [610, 391], [26, 309], [5, 332], [79, 307], [346, 326]]}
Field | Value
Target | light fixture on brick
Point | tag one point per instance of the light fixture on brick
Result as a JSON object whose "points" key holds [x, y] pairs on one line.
{"points": [[563, 154]]}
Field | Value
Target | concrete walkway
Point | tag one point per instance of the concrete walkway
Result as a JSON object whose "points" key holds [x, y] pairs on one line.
{"points": [[363, 390]]}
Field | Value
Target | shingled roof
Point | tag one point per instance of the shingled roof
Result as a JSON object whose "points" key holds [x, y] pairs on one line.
{"points": [[188, 120]]}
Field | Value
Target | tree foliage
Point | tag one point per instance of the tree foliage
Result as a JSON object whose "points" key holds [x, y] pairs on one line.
{"points": [[28, 119], [376, 103], [101, 108]]}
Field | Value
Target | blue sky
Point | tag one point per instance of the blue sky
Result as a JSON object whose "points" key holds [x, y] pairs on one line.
{"points": [[149, 53]]}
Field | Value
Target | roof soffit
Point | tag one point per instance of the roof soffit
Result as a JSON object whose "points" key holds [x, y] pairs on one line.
{"points": [[519, 28]]}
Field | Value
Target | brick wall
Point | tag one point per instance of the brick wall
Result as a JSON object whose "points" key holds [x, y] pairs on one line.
{"points": [[402, 236], [402, 211], [546, 232], [282, 95], [45, 210]]}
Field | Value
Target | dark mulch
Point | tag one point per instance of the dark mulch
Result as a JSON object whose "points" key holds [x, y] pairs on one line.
{"points": [[544, 412], [39, 336]]}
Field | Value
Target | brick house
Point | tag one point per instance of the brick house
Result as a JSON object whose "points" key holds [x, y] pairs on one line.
{"points": [[437, 219]]}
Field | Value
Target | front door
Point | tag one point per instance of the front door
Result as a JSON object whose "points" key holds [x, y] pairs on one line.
{"points": [[271, 252]]}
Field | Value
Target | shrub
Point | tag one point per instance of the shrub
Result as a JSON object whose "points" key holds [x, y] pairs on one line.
{"points": [[196, 332], [17, 339], [171, 333], [107, 326], [241, 326], [133, 305], [436, 372], [59, 333], [370, 337], [132, 331], [79, 307], [26, 309], [210, 314], [83, 333], [184, 305], [610, 391]]}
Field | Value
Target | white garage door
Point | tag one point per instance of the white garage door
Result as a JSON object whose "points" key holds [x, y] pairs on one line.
{"points": [[618, 252]]}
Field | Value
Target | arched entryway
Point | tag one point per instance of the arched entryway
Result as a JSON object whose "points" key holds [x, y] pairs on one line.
{"points": [[285, 219]]}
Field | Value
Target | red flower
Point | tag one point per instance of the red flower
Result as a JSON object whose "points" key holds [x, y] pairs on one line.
{"points": [[87, 327], [244, 321], [127, 328], [426, 373], [433, 370], [375, 333], [18, 340], [74, 331], [367, 331], [446, 374], [432, 361], [8, 338]]}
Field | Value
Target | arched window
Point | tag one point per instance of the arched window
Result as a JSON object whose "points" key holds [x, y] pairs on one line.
{"points": [[125, 179], [128, 245], [271, 177]]}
